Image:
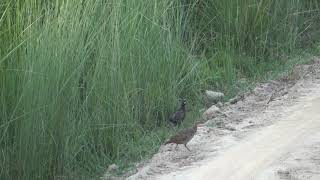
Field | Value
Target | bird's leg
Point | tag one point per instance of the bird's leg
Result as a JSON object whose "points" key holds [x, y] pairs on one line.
{"points": [[185, 145], [176, 146]]}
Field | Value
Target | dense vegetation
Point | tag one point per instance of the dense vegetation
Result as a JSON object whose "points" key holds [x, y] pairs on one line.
{"points": [[84, 84]]}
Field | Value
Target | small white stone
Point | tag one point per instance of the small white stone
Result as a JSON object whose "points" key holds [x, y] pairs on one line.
{"points": [[113, 168], [211, 112], [213, 96], [219, 104], [234, 100]]}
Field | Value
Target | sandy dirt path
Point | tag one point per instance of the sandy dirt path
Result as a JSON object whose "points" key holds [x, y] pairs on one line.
{"points": [[256, 140], [258, 151]]}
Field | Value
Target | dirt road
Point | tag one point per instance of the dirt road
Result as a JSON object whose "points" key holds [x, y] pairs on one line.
{"points": [[255, 153], [256, 141]]}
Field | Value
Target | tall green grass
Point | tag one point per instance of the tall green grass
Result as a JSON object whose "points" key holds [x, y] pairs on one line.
{"points": [[84, 84], [252, 37], [258, 28], [87, 82]]}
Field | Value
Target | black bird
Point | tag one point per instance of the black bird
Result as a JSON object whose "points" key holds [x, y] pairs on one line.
{"points": [[177, 117]]}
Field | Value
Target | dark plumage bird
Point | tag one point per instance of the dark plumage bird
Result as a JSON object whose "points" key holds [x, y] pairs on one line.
{"points": [[179, 115], [184, 136]]}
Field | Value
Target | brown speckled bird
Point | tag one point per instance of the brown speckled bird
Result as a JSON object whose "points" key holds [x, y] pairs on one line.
{"points": [[184, 136]]}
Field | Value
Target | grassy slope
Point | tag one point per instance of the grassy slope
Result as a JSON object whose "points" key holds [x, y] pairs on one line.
{"points": [[86, 84]]}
